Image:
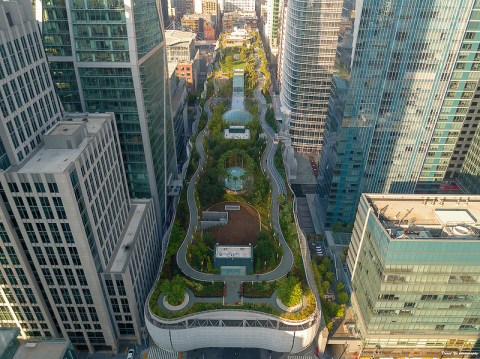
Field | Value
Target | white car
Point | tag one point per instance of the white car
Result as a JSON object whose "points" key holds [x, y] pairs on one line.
{"points": [[130, 354]]}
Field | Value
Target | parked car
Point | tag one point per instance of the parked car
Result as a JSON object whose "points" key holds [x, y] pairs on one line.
{"points": [[131, 353]]}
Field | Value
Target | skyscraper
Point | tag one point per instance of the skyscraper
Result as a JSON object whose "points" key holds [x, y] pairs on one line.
{"points": [[28, 103], [310, 44], [78, 256], [469, 176], [414, 266], [414, 74], [274, 9], [109, 55]]}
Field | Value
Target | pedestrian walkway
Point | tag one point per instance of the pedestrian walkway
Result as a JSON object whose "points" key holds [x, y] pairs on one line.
{"points": [[159, 353], [278, 188]]}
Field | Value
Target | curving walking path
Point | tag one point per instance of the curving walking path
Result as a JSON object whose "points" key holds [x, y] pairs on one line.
{"points": [[278, 188]]}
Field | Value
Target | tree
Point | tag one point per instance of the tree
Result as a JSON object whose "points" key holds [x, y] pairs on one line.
{"points": [[264, 251], [326, 286], [327, 262], [290, 291], [340, 312], [330, 277], [174, 290], [323, 269], [342, 298], [340, 286]]}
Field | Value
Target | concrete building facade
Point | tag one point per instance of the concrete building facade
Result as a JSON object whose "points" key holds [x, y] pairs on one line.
{"points": [[28, 103], [78, 256], [110, 56]]}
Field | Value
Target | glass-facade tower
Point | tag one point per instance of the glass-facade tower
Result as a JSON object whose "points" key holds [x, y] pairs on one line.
{"points": [[414, 73], [414, 269], [309, 49], [109, 55]]}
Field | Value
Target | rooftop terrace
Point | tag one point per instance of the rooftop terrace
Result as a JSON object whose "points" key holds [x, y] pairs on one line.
{"points": [[422, 216]]}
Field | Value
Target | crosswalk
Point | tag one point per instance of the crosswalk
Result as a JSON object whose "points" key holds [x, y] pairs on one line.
{"points": [[158, 353]]}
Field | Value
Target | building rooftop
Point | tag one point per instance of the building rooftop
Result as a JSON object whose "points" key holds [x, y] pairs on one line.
{"points": [[48, 349], [56, 159], [128, 237], [174, 37], [233, 252], [423, 217], [237, 133]]}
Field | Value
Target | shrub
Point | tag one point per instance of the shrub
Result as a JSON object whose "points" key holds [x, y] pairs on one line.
{"points": [[290, 291], [340, 286], [330, 276], [259, 289], [326, 286], [174, 290], [342, 298]]}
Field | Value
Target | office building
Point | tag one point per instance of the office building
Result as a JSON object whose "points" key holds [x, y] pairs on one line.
{"points": [[469, 176], [239, 20], [211, 7], [201, 24], [409, 96], [180, 45], [239, 5], [310, 44], [414, 270], [28, 103], [109, 56], [182, 53], [272, 24], [178, 94], [178, 8], [78, 256]]}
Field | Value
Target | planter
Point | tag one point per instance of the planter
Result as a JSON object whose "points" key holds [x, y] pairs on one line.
{"points": [[293, 309], [176, 307]]}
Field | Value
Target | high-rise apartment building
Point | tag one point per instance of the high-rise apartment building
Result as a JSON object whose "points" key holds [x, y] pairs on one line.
{"points": [[28, 103], [274, 9], [110, 56], [414, 73], [414, 270], [78, 257], [309, 49]]}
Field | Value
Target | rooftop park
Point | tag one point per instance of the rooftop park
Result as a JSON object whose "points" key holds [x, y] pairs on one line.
{"points": [[190, 282]]}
